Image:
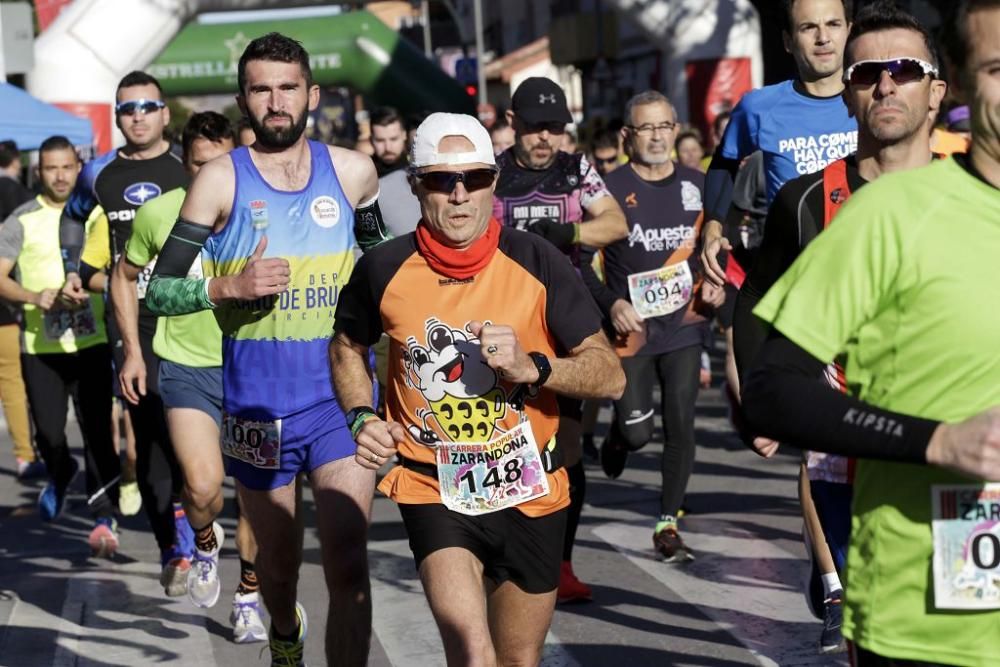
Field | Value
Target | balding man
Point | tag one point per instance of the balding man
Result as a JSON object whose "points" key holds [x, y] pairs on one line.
{"points": [[486, 325]]}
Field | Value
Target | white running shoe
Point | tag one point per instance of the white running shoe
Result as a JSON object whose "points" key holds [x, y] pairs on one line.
{"points": [[245, 619], [203, 585]]}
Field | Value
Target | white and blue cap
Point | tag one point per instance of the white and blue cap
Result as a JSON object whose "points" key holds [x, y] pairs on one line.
{"points": [[437, 126]]}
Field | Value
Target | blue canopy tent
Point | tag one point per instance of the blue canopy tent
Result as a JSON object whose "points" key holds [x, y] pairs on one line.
{"points": [[29, 121]]}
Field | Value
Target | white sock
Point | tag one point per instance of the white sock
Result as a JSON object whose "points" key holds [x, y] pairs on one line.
{"points": [[831, 582]]}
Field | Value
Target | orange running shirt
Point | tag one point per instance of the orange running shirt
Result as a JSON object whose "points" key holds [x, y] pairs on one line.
{"points": [[440, 388]]}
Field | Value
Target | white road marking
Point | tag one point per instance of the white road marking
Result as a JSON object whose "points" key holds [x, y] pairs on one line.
{"points": [[749, 587]]}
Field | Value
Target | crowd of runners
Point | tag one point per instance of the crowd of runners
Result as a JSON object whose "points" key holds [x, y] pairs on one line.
{"points": [[453, 311]]}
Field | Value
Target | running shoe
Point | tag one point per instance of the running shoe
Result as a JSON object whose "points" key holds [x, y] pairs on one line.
{"points": [[589, 448], [571, 589], [832, 640], [613, 458], [103, 538], [174, 575], [245, 619], [203, 585], [52, 498], [286, 653], [30, 469], [129, 499], [671, 547]]}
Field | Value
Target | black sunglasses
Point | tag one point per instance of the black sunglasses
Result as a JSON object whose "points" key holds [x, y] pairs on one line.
{"points": [[146, 106], [446, 181], [606, 160], [902, 70]]}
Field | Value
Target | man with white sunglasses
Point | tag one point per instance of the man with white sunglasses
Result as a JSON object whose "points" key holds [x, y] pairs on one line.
{"points": [[893, 90], [121, 181]]}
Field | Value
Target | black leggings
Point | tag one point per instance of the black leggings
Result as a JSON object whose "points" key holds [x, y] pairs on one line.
{"points": [[51, 381], [156, 468], [677, 373]]}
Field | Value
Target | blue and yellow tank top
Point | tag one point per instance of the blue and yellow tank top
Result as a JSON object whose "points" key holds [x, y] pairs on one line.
{"points": [[274, 349]]}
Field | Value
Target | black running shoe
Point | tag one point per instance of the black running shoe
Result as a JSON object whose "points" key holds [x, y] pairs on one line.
{"points": [[671, 547], [613, 457], [832, 640]]}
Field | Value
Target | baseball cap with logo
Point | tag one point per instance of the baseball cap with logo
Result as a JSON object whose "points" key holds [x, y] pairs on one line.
{"points": [[437, 126], [539, 100]]}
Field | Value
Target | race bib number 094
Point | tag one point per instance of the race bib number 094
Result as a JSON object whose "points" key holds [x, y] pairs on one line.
{"points": [[255, 442], [661, 291], [479, 478], [966, 529]]}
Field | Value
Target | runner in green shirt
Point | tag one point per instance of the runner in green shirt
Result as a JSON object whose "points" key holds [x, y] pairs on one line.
{"points": [[190, 349], [904, 285]]}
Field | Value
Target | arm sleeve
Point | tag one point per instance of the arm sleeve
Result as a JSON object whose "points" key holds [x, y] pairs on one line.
{"points": [[570, 311], [719, 186], [777, 252], [784, 399], [79, 206], [604, 297], [170, 291], [369, 227], [358, 315]]}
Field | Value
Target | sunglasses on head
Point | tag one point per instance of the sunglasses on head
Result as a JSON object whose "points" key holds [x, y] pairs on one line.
{"points": [[446, 181], [902, 70], [131, 107]]}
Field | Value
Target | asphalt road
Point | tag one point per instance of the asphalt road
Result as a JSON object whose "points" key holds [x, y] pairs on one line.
{"points": [[738, 603]]}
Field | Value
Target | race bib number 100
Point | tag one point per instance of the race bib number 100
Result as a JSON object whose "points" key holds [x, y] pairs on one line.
{"points": [[255, 442], [966, 529], [479, 478], [661, 291]]}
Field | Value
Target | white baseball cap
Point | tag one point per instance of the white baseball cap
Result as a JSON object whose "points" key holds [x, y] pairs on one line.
{"points": [[437, 126]]}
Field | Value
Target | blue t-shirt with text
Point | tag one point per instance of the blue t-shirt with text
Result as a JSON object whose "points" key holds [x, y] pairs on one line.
{"points": [[797, 133]]}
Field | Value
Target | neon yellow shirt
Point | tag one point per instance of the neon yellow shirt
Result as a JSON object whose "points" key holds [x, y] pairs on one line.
{"points": [[192, 340], [905, 283]]}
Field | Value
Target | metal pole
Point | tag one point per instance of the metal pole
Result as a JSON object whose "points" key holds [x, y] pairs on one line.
{"points": [[425, 14], [480, 66]]}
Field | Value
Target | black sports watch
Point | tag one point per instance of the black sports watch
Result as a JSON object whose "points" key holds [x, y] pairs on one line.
{"points": [[544, 369]]}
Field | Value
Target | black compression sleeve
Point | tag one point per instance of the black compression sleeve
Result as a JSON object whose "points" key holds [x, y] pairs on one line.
{"points": [[719, 187], [86, 273], [604, 297], [749, 332], [777, 252], [181, 249], [369, 227], [72, 235], [784, 399]]}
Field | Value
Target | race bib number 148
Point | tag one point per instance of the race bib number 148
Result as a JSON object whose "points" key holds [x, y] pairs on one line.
{"points": [[478, 478]]}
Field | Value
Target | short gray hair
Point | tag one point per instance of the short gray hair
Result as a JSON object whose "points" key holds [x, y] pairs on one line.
{"points": [[644, 98]]}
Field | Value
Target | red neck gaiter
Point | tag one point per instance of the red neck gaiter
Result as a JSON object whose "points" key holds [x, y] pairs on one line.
{"points": [[458, 264]]}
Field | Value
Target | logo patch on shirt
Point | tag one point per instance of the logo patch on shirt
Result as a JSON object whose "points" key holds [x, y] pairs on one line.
{"points": [[631, 201], [838, 196], [138, 194], [258, 213], [690, 196], [325, 211]]}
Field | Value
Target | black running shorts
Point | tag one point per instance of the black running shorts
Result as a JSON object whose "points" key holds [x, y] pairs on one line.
{"points": [[511, 546]]}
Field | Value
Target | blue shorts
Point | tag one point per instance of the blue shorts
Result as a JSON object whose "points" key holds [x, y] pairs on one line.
{"points": [[189, 387], [833, 506], [310, 438]]}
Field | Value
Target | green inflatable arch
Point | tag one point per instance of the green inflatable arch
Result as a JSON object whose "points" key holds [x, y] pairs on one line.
{"points": [[354, 49]]}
